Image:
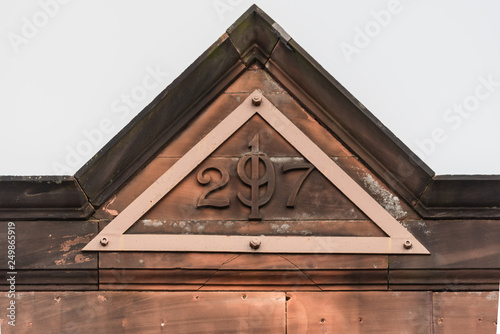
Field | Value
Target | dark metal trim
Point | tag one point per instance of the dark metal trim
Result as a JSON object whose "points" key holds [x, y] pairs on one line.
{"points": [[461, 196], [42, 197]]}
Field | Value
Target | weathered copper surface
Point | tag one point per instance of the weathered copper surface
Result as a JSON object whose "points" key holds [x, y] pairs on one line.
{"points": [[253, 312], [474, 312], [359, 312], [147, 312], [163, 260]]}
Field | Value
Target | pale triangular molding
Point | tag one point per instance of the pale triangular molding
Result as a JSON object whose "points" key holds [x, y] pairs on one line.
{"points": [[113, 237]]}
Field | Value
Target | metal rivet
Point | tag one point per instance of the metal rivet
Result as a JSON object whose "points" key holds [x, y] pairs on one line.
{"points": [[104, 241], [255, 243], [256, 100], [407, 244]]}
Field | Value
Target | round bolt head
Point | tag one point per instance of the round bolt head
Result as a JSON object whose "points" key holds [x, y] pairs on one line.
{"points": [[408, 244], [256, 100], [255, 243], [104, 241]]}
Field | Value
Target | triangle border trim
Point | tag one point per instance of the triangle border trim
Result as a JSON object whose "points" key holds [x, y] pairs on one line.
{"points": [[113, 237]]}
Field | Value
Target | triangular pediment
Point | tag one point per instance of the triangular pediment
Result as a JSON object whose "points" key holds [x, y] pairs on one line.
{"points": [[255, 40]]}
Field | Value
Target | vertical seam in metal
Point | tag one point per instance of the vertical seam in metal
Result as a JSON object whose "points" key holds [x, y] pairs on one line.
{"points": [[98, 272], [98, 263], [286, 313], [431, 312]]}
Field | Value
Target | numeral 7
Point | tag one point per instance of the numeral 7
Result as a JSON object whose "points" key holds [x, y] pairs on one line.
{"points": [[292, 198]]}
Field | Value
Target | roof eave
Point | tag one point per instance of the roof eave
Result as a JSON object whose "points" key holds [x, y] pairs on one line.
{"points": [[42, 197]]}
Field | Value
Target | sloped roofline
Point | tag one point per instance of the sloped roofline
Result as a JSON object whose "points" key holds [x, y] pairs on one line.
{"points": [[254, 37]]}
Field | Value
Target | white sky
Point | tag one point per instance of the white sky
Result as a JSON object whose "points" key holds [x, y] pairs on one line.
{"points": [[429, 70]]}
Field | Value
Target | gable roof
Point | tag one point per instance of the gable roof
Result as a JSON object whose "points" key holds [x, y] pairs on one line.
{"points": [[254, 37]]}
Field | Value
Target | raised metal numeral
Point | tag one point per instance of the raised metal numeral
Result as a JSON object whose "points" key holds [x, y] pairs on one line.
{"points": [[255, 180], [253, 176], [292, 197], [206, 179]]}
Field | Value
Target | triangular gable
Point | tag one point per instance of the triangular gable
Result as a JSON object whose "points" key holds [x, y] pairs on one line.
{"points": [[254, 39], [257, 38], [113, 237]]}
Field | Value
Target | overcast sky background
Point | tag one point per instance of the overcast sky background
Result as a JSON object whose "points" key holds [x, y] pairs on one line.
{"points": [[73, 73]]}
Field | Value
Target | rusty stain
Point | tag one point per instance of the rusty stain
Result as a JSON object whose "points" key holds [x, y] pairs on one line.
{"points": [[80, 258], [66, 246], [111, 211], [60, 262], [68, 252]]}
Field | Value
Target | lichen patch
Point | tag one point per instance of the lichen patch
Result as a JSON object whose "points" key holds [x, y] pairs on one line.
{"points": [[388, 201]]}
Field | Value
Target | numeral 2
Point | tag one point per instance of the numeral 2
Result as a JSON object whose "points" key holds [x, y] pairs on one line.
{"points": [[206, 179]]}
